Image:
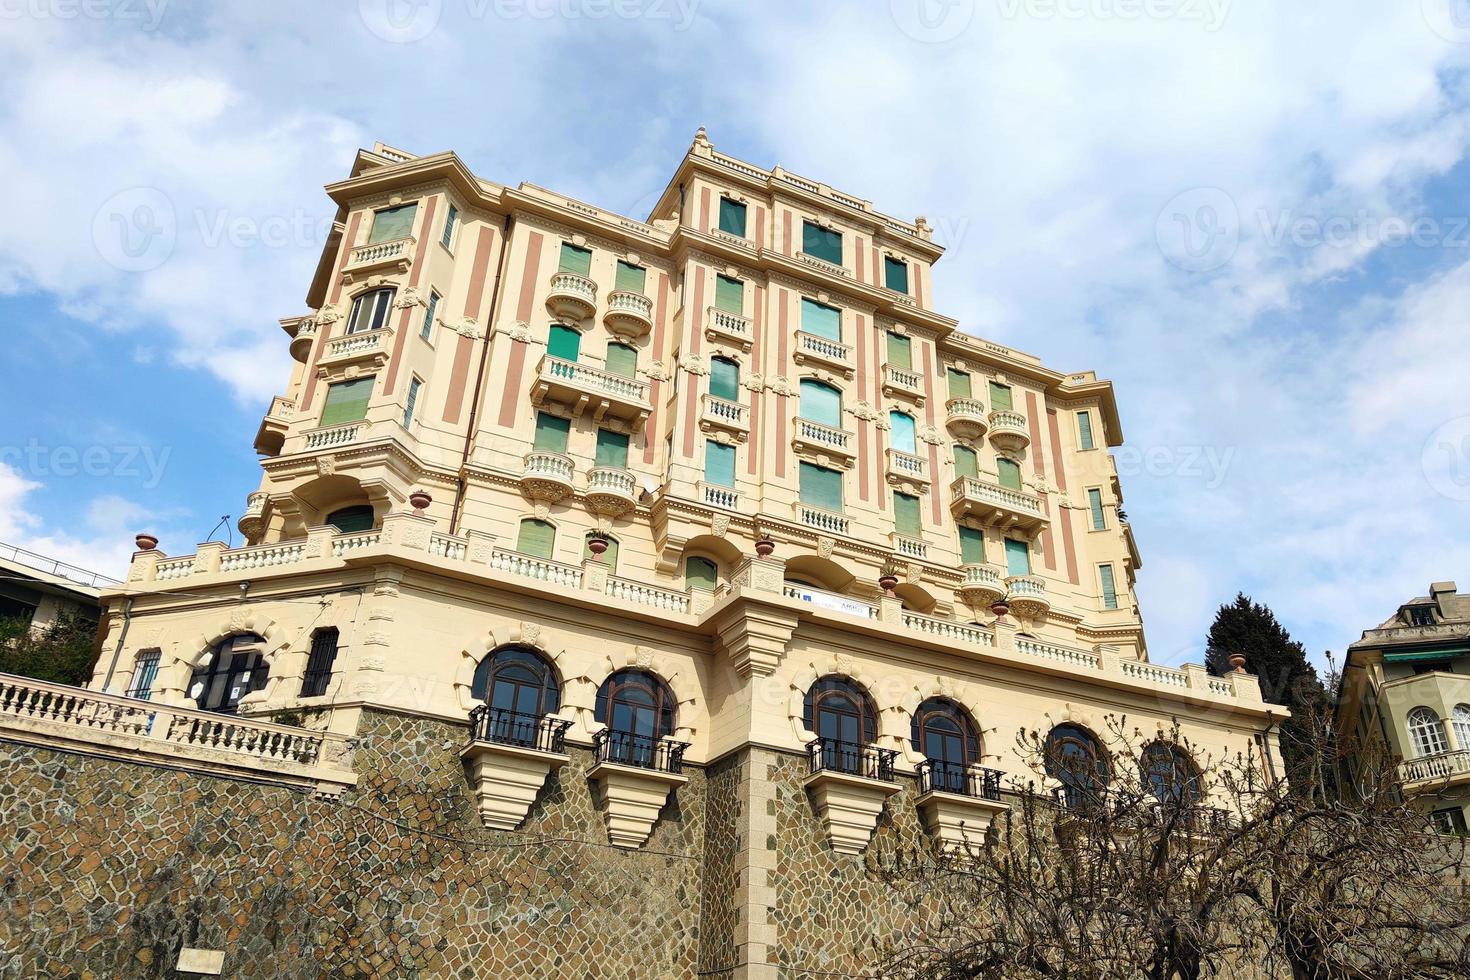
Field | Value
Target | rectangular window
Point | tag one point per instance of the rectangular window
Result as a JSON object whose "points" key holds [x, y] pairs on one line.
{"points": [[551, 433], [1084, 431], [972, 546], [413, 399], [732, 217], [906, 515], [612, 449], [1018, 557], [719, 464], [900, 352], [145, 670], [1009, 472], [724, 379], [895, 274], [575, 259], [390, 224], [622, 360], [319, 663], [729, 294], [1095, 505], [1109, 587], [959, 383], [821, 321], [821, 243], [449, 219], [630, 278], [820, 487], [1000, 398], [347, 401], [966, 462], [1449, 821], [429, 311]]}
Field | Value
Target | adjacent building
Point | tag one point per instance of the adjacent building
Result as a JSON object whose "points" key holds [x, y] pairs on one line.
{"points": [[42, 590]]}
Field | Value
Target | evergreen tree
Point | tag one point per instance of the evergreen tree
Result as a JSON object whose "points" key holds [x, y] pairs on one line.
{"points": [[63, 652]]}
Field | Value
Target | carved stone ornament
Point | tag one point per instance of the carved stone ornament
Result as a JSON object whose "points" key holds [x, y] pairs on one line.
{"points": [[657, 371], [865, 411], [754, 382], [961, 365], [720, 525], [633, 258], [540, 511], [645, 657], [326, 465], [376, 638], [239, 618], [520, 331], [782, 386], [326, 316], [531, 633], [931, 435], [468, 328], [408, 298], [825, 546], [693, 364], [579, 240]]}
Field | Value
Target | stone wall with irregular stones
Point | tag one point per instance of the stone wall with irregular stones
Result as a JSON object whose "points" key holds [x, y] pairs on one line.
{"points": [[719, 916]]}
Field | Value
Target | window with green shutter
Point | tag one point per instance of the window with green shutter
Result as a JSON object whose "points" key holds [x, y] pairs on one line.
{"points": [[700, 573], [1109, 586], [966, 462], [563, 342], [719, 464], [729, 294], [959, 383], [390, 224], [732, 217], [347, 401], [1000, 397], [1084, 430], [428, 327], [350, 520], [413, 399], [895, 274], [447, 239], [820, 402], [610, 555], [1095, 504], [630, 278], [1010, 473], [724, 379], [900, 352], [551, 433], [575, 259], [820, 487], [906, 515], [903, 433], [1018, 557], [622, 360], [821, 243], [972, 546], [821, 321], [536, 538], [612, 449]]}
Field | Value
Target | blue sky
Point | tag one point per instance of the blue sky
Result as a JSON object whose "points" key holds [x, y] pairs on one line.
{"points": [[1252, 216]]}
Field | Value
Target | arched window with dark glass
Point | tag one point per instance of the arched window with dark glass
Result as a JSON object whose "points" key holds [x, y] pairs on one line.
{"points": [[1169, 774], [358, 517], [370, 311], [519, 688], [638, 710], [1076, 760], [234, 668], [945, 735], [844, 719]]}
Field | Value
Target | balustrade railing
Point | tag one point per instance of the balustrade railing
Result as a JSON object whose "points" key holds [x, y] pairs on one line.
{"points": [[724, 497], [569, 283], [901, 378], [828, 350], [624, 301], [594, 379], [1440, 766], [500, 726], [335, 435], [821, 434], [949, 630], [398, 248], [965, 408], [989, 493], [661, 754], [262, 556], [823, 520], [850, 758], [732, 325], [1006, 419], [639, 594], [541, 569], [732, 414]]}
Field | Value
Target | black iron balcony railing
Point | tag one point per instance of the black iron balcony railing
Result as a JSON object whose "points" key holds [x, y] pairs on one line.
{"points": [[850, 758], [1193, 818], [544, 733], [643, 751], [952, 777]]}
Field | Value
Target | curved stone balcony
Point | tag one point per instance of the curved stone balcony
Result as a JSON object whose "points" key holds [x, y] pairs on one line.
{"points": [[612, 491], [983, 586], [571, 297], [1008, 431], [629, 315], [966, 417], [274, 427], [547, 476], [303, 339], [1026, 595], [253, 520]]}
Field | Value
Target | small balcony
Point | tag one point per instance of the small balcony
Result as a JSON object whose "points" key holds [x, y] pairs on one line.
{"points": [[580, 387], [903, 384], [849, 785], [997, 506], [908, 545], [811, 349], [371, 346], [1026, 595], [611, 491], [1008, 432], [982, 587], [547, 476], [271, 435], [907, 468], [826, 521], [629, 315], [509, 756], [303, 338], [726, 498], [957, 802], [817, 439], [719, 413], [637, 773], [966, 417], [731, 328], [1443, 767], [383, 257], [253, 520], [332, 436], [571, 297]]}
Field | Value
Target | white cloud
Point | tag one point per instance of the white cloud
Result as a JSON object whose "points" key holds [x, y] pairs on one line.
{"points": [[101, 541]]}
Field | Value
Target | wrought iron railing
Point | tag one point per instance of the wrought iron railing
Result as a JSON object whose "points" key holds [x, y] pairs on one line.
{"points": [[850, 758], [937, 776], [643, 751], [544, 733]]}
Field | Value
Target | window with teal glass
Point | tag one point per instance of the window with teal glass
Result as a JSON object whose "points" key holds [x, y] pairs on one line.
{"points": [[622, 360], [732, 217], [966, 462], [724, 379], [700, 573], [900, 352], [903, 433], [906, 515], [729, 294], [719, 464], [820, 320], [563, 342], [821, 243], [1084, 430], [895, 274], [1010, 473], [610, 556], [1095, 504], [1000, 397], [347, 401], [959, 383], [820, 402], [1109, 586], [612, 449], [575, 259], [1018, 557], [413, 400], [820, 487], [449, 219], [630, 278], [551, 433], [536, 538], [972, 546], [429, 311], [393, 223]]}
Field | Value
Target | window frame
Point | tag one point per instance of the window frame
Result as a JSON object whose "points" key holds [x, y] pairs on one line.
{"points": [[1426, 732], [147, 662], [426, 332], [382, 299], [326, 419], [538, 523], [1107, 580], [320, 662], [1086, 432], [734, 206], [890, 264], [1097, 510], [373, 237], [823, 240], [451, 225], [714, 448]]}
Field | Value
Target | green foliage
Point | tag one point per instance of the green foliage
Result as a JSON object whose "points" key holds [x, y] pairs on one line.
{"points": [[64, 652]]}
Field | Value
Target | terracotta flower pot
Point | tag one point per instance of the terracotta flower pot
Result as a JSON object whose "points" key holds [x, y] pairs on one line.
{"points": [[420, 500], [597, 545], [765, 547], [1237, 662], [145, 542], [887, 582], [1000, 608]]}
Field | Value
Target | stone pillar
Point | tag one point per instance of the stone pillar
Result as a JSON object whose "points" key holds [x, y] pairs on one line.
{"points": [[207, 556], [755, 893]]}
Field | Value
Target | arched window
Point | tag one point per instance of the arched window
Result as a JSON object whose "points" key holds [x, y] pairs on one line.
{"points": [[563, 342], [1461, 720], [820, 402], [724, 379], [520, 688], [622, 360], [1074, 758], [536, 538], [638, 709], [1426, 732], [358, 517], [700, 573], [945, 735], [841, 715], [904, 436], [1009, 472], [966, 462], [235, 667], [370, 310], [1169, 774]]}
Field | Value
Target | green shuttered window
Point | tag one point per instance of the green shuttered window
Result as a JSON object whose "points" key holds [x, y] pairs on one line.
{"points": [[719, 464], [393, 223], [563, 342], [574, 259], [1084, 430], [1009, 472], [700, 573], [906, 515], [347, 401], [612, 449], [449, 219], [959, 383], [900, 353], [413, 400], [966, 462], [821, 243], [724, 379], [904, 433], [536, 538], [1018, 557], [1000, 398], [622, 360], [821, 321], [729, 294], [1095, 504], [1109, 587], [972, 546], [630, 278], [551, 433], [820, 403], [732, 217], [820, 487], [428, 327], [896, 274]]}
